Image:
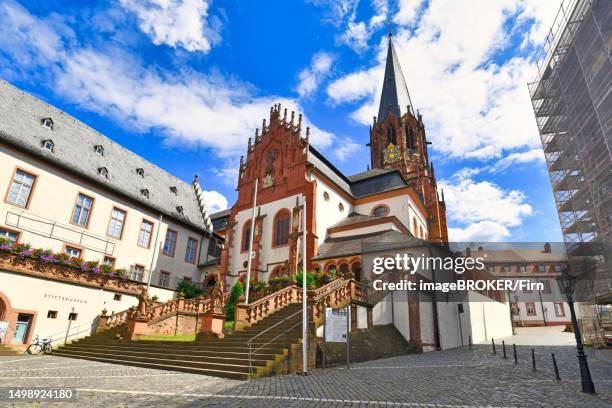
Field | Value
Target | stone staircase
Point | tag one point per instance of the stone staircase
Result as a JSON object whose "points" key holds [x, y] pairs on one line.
{"points": [[7, 351], [235, 356]]}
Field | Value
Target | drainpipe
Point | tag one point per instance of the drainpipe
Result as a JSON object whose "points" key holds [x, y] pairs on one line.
{"points": [[161, 217]]}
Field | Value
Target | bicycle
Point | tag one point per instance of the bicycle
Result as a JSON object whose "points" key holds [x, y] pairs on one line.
{"points": [[39, 346]]}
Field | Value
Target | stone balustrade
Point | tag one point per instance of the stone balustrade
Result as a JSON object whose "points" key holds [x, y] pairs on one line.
{"points": [[246, 315], [29, 265]]}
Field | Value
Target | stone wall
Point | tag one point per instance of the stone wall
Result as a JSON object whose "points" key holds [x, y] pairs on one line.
{"points": [[366, 344]]}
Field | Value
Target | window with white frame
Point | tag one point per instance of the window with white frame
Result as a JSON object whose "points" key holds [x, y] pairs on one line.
{"points": [[164, 279], [137, 272], [144, 236], [82, 210], [192, 249], [559, 310], [12, 236], [73, 252], [530, 308], [115, 226], [21, 188], [170, 243]]}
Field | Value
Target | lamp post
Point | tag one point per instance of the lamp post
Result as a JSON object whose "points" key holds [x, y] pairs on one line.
{"points": [[567, 284]]}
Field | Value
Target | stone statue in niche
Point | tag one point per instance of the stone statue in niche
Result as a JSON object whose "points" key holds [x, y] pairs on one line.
{"points": [[269, 174]]}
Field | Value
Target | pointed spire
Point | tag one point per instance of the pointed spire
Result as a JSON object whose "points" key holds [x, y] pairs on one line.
{"points": [[395, 92]]}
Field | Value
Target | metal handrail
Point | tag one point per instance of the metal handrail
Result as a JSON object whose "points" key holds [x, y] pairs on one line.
{"points": [[250, 341], [67, 334]]}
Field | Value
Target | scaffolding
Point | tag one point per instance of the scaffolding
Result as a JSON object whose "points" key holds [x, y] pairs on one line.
{"points": [[572, 102]]}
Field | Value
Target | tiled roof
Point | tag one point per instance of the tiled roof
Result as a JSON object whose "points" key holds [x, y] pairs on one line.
{"points": [[360, 244], [363, 184], [519, 255], [354, 218], [21, 117]]}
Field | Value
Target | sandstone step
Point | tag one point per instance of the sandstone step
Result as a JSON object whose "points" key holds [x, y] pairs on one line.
{"points": [[233, 349], [223, 373], [220, 355], [178, 359], [187, 361]]}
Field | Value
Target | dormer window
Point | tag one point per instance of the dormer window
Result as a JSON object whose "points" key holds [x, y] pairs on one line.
{"points": [[179, 209], [99, 150], [48, 145], [103, 171], [173, 190], [140, 172], [48, 123], [145, 192]]}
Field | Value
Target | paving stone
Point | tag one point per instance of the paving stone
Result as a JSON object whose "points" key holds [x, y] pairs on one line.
{"points": [[450, 378]]}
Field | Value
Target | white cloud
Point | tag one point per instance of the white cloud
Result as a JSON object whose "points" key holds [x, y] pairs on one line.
{"points": [[311, 77], [483, 208], [356, 36], [176, 23], [346, 149], [472, 108], [482, 231], [407, 11], [228, 175], [215, 201], [513, 159], [187, 108]]}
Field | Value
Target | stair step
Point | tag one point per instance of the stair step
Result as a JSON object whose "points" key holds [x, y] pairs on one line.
{"points": [[231, 360], [230, 349], [192, 354], [155, 365], [239, 368]]}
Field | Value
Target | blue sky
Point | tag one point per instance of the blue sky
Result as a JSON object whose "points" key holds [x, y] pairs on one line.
{"points": [[184, 83]]}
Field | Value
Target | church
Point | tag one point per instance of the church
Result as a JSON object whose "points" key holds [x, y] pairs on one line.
{"points": [[396, 200]]}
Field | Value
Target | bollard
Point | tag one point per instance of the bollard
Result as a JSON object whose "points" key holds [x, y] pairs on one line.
{"points": [[504, 348], [555, 367], [533, 364], [470, 342], [515, 356], [493, 343]]}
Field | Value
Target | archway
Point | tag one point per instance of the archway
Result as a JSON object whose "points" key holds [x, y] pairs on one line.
{"points": [[356, 269], [344, 269], [210, 281]]}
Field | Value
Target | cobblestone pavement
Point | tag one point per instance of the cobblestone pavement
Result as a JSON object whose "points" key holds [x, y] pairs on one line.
{"points": [[450, 378]]}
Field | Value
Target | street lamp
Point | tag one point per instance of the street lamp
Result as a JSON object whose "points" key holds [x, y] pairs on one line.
{"points": [[567, 284]]}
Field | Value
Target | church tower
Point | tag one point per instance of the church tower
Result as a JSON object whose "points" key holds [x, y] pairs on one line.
{"points": [[398, 141]]}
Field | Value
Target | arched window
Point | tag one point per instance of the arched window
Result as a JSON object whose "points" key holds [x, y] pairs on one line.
{"points": [[281, 227], [330, 268], [380, 211], [414, 226], [410, 142], [421, 232], [391, 134], [344, 269], [246, 235], [356, 269]]}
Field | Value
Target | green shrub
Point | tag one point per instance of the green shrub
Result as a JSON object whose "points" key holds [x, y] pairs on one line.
{"points": [[310, 279], [237, 291], [189, 289]]}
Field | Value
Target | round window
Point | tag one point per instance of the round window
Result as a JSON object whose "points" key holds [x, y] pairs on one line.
{"points": [[326, 196], [341, 207], [380, 211]]}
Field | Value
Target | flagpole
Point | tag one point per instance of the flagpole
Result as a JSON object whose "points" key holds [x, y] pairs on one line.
{"points": [[251, 233], [304, 295]]}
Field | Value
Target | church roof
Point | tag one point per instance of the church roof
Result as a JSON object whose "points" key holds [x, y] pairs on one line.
{"points": [[83, 151], [363, 184], [361, 244], [395, 97], [354, 218]]}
